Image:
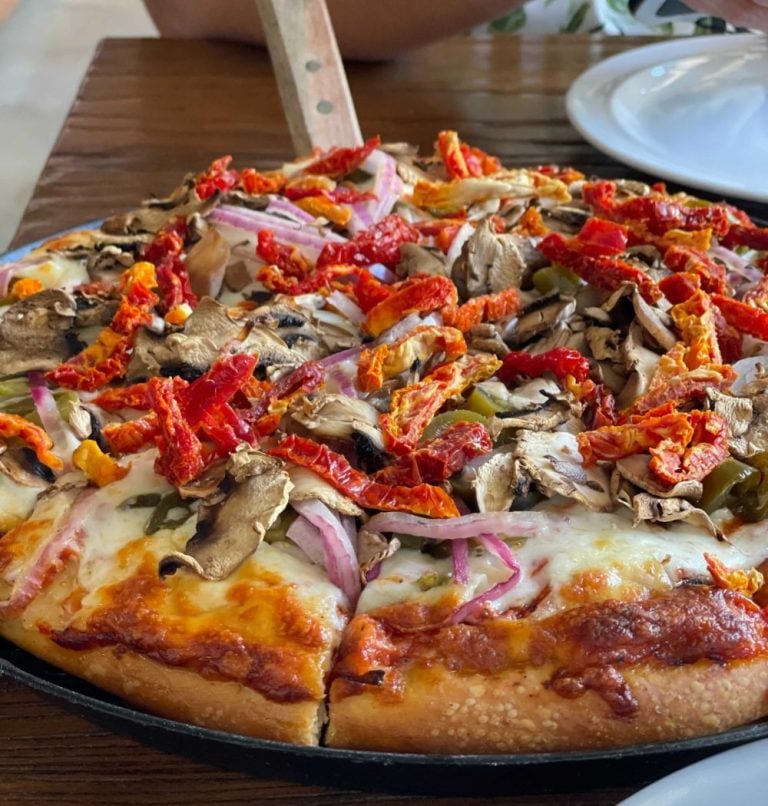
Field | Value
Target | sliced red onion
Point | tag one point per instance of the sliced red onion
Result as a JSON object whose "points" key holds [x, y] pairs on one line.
{"points": [[497, 546], [346, 306], [387, 185], [400, 329], [496, 592], [460, 555], [64, 440], [381, 272], [340, 558], [8, 271], [308, 538], [461, 237], [282, 207], [344, 355], [517, 524], [344, 384], [361, 218], [350, 526]]}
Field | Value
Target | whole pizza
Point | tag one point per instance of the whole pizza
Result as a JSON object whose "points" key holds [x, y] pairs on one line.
{"points": [[396, 451]]}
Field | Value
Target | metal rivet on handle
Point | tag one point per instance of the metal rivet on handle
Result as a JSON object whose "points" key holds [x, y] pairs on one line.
{"points": [[312, 66], [324, 107]]}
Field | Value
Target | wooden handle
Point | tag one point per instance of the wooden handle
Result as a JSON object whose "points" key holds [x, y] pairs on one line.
{"points": [[310, 74]]}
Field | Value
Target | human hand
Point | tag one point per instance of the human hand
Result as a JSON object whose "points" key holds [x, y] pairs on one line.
{"points": [[744, 13]]}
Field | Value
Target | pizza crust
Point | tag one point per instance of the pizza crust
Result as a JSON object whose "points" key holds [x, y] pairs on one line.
{"points": [[177, 693], [442, 711]]}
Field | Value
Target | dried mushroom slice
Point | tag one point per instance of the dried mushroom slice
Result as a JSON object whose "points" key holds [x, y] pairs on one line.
{"points": [[229, 533], [647, 507]]}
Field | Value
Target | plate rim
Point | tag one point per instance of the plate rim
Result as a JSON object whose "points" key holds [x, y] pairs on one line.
{"points": [[592, 88]]}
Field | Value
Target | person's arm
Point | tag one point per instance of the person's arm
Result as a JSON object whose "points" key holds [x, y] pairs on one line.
{"points": [[365, 29], [745, 13]]}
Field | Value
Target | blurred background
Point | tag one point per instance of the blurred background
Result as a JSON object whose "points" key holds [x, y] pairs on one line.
{"points": [[45, 47]]}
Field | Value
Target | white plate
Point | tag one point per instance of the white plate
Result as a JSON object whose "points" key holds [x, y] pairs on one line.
{"points": [[735, 776], [692, 110]]}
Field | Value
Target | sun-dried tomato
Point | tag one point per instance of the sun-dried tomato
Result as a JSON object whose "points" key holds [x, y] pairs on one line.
{"points": [[485, 308], [216, 178], [749, 236], [603, 272], [462, 160], [277, 281], [107, 358], [165, 251], [215, 388], [368, 290], [656, 211], [256, 183], [25, 287], [742, 316], [440, 458], [132, 435], [423, 499], [679, 287], [321, 207], [287, 258], [531, 223], [600, 238], [338, 195], [686, 259], [744, 581], [566, 174], [377, 364], [180, 452], [13, 425], [414, 406], [415, 295], [559, 361], [135, 396], [341, 161], [378, 244], [683, 445]]}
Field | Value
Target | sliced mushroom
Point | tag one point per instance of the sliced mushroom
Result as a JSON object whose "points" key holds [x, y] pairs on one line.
{"points": [[604, 343], [415, 259], [546, 418], [635, 470], [653, 322], [373, 548], [337, 416], [21, 466], [309, 486], [485, 338], [641, 365], [541, 316], [230, 532], [34, 332], [206, 263], [554, 462], [669, 510], [747, 419], [498, 480]]}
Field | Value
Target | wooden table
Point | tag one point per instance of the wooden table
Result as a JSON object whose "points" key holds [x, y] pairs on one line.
{"points": [[147, 112]]}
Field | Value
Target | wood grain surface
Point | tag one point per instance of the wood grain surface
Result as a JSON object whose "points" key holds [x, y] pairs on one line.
{"points": [[147, 112]]}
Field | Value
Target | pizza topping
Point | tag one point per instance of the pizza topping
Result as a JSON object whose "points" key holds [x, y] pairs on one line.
{"points": [[13, 426], [96, 466], [229, 532]]}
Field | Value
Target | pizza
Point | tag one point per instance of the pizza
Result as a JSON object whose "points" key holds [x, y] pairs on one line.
{"points": [[395, 451]]}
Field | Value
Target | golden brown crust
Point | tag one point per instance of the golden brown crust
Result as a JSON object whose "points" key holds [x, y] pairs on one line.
{"points": [[178, 693], [442, 711]]}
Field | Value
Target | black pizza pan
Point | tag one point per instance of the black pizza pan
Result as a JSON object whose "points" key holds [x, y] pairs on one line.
{"points": [[457, 775]]}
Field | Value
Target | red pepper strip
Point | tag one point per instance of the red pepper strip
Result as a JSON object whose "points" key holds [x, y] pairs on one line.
{"points": [[686, 259], [12, 425], [462, 160], [603, 272], [485, 308], [752, 237], [377, 244], [416, 294], [559, 361], [680, 287], [217, 177], [135, 396], [743, 317], [422, 499], [412, 407], [172, 279], [341, 161], [658, 212], [387, 360], [442, 457], [108, 357], [288, 259], [180, 452], [211, 391], [369, 291], [683, 445]]}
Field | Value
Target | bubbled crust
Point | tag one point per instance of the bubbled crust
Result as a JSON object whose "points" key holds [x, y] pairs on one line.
{"points": [[176, 693], [443, 711]]}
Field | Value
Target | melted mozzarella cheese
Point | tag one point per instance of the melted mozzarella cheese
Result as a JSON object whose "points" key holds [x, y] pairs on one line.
{"points": [[56, 272], [583, 556], [16, 502]]}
